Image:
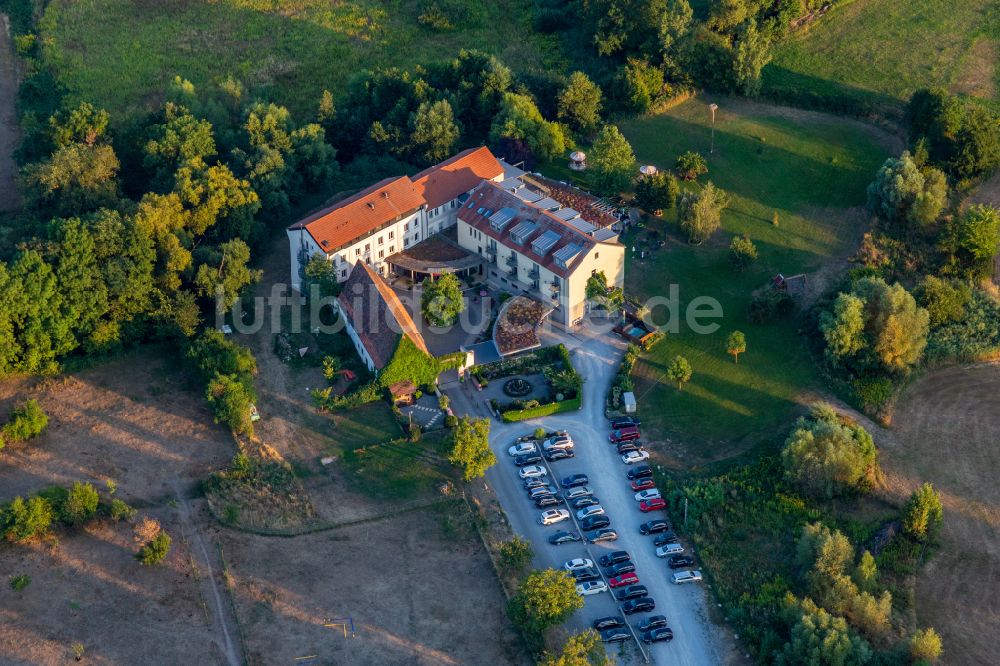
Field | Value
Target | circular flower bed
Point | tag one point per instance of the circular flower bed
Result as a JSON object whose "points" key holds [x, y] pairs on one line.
{"points": [[517, 387]]}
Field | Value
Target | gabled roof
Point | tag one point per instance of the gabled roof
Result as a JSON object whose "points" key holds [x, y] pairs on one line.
{"points": [[377, 315], [555, 234], [346, 220], [443, 182]]}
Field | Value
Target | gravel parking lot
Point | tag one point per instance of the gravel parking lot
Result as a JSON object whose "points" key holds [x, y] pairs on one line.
{"points": [[696, 639]]}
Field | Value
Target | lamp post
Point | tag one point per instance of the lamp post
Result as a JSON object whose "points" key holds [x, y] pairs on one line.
{"points": [[713, 108]]}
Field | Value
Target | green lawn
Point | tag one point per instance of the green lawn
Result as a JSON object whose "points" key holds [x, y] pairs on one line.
{"points": [[292, 49], [363, 426], [886, 49], [401, 469], [810, 168]]}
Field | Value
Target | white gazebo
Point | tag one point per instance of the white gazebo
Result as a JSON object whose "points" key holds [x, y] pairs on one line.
{"points": [[647, 170], [578, 160]]}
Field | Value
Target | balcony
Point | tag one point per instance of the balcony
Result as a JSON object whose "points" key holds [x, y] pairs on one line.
{"points": [[534, 274], [491, 249], [512, 271], [512, 260]]}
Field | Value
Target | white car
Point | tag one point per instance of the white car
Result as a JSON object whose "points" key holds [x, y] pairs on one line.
{"points": [[686, 577], [644, 495], [562, 442], [592, 587], [578, 563], [634, 456], [553, 516], [530, 471], [522, 448], [669, 549], [588, 511]]}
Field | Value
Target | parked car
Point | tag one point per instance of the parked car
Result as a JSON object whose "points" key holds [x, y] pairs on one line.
{"points": [[574, 480], [617, 635], [630, 578], [654, 527], [648, 494], [640, 605], [522, 448], [545, 501], [652, 622], [663, 634], [640, 472], [539, 491], [642, 484], [595, 522], [579, 491], [587, 511], [561, 537], [559, 454], [609, 622], [678, 561], [578, 563], [620, 422], [625, 447], [586, 500], [669, 549], [666, 537], [562, 442], [624, 434], [527, 459], [634, 456], [553, 516], [591, 587], [614, 557], [686, 577], [652, 505], [619, 568], [631, 592], [585, 575], [532, 470], [534, 482], [602, 535]]}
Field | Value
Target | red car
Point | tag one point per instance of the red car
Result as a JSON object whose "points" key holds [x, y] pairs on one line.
{"points": [[643, 484], [623, 579], [652, 505]]}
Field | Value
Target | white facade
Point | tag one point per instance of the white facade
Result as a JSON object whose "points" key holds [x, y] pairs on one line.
{"points": [[509, 267], [353, 335]]}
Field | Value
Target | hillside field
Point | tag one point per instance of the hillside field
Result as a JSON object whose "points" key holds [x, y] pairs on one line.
{"points": [[883, 50], [289, 50], [811, 170]]}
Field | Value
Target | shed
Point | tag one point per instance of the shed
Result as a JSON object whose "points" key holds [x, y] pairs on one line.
{"points": [[402, 392], [628, 401]]}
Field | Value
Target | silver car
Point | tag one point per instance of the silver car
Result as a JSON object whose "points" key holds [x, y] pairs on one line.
{"points": [[588, 511]]}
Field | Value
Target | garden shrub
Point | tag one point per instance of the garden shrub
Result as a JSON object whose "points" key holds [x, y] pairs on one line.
{"points": [[769, 305], [80, 504], [872, 392], [120, 511], [26, 421], [155, 551]]}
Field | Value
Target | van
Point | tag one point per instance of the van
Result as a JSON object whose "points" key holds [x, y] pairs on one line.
{"points": [[669, 549], [624, 434]]}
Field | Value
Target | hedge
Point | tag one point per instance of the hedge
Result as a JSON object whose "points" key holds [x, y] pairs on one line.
{"points": [[570, 405]]}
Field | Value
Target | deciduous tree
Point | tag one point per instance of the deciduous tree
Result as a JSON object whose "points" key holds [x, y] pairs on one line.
{"points": [[736, 344], [434, 131], [679, 371], [442, 301], [699, 214], [471, 447], [579, 104], [923, 513], [657, 192], [545, 598], [826, 455]]}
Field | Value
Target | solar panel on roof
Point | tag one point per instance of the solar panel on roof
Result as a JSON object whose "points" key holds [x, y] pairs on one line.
{"points": [[548, 203], [604, 234], [566, 213], [545, 242], [512, 184], [519, 234], [566, 253], [581, 225], [502, 218], [528, 196]]}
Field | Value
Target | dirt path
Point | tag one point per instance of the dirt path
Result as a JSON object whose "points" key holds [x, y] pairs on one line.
{"points": [[9, 133], [223, 620]]}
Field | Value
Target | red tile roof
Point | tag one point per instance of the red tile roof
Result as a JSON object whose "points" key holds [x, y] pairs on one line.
{"points": [[377, 314], [491, 197], [443, 182], [351, 218]]}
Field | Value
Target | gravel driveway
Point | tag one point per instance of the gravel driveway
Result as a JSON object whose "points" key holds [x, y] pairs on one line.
{"points": [[696, 639]]}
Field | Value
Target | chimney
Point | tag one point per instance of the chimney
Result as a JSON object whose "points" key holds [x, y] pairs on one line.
{"points": [[371, 204]]}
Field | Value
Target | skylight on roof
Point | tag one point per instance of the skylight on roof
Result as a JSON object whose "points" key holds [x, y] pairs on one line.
{"points": [[502, 218], [565, 254], [519, 234]]}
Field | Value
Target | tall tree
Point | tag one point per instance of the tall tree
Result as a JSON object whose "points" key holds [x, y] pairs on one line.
{"points": [[441, 301], [471, 447], [434, 131], [519, 119], [545, 598], [580, 104], [923, 513], [679, 371], [76, 179], [902, 192], [176, 139], [752, 52], [736, 344], [700, 213], [657, 192], [612, 161], [225, 274]]}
